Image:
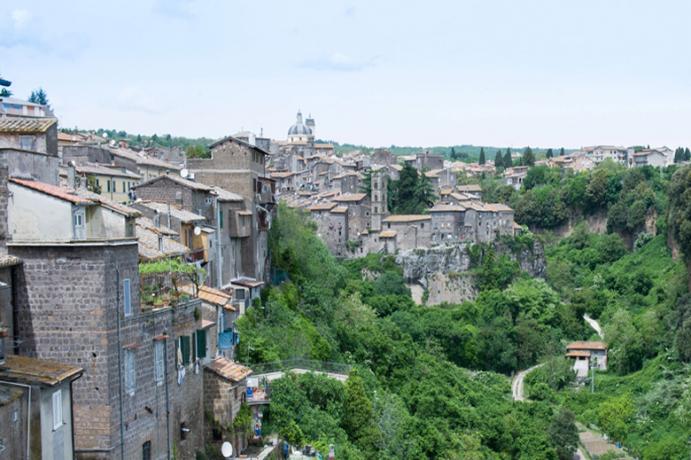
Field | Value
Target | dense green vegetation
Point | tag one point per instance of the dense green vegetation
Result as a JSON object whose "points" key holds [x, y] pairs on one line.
{"points": [[408, 396], [551, 197]]}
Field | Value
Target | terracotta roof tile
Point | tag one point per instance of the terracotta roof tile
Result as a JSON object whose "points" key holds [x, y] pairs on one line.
{"points": [[33, 370], [53, 190], [229, 370], [10, 124]]}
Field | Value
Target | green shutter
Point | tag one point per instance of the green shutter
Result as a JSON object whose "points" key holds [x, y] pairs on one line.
{"points": [[185, 348], [201, 343], [220, 219]]}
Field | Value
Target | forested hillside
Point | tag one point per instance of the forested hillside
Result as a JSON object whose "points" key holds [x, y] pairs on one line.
{"points": [[432, 382]]}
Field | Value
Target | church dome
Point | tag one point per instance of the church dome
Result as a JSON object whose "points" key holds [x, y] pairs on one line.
{"points": [[299, 128]]}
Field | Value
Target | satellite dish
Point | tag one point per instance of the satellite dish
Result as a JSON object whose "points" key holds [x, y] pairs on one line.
{"points": [[184, 172], [227, 449], [197, 230]]}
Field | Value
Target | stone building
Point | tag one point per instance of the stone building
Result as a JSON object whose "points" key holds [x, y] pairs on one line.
{"points": [[32, 134], [358, 211], [240, 167], [332, 226], [78, 302], [225, 388], [412, 230], [447, 222], [379, 194], [484, 222], [428, 161]]}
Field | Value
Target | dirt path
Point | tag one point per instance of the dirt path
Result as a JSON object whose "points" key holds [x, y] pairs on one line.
{"points": [[517, 383], [595, 325]]}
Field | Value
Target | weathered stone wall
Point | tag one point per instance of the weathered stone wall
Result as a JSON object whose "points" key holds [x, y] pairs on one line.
{"points": [[88, 153], [446, 271], [168, 191], [68, 301]]}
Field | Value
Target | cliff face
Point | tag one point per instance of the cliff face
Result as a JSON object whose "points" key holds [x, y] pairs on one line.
{"points": [[445, 272]]}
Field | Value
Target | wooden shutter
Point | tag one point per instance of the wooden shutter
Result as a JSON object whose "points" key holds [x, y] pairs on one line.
{"points": [[185, 349], [201, 343]]}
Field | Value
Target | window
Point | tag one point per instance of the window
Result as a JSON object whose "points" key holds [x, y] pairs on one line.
{"points": [[220, 212], [240, 294], [127, 297], [124, 187], [26, 142], [57, 409], [130, 379], [201, 343], [159, 361], [146, 450], [184, 347]]}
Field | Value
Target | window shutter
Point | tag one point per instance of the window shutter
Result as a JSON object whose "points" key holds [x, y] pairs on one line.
{"points": [[57, 409], [130, 382], [159, 362], [127, 296], [185, 349], [201, 343]]}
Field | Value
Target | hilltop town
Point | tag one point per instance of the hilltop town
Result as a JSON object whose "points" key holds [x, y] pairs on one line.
{"points": [[125, 271]]}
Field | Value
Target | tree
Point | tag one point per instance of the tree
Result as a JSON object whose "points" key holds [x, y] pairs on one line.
{"points": [[39, 96], [564, 434], [528, 157], [358, 415], [550, 153], [680, 209], [4, 92], [615, 414], [498, 160], [482, 159], [412, 193], [508, 162], [561, 152], [687, 154], [453, 154]]}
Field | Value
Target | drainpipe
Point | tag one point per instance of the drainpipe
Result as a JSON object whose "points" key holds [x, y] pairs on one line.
{"points": [[72, 412], [28, 418], [122, 421], [165, 373], [219, 268]]}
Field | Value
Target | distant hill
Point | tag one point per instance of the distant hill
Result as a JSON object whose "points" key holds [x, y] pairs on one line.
{"points": [[465, 151]]}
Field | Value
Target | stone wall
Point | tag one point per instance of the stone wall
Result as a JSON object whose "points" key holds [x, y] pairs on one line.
{"points": [[68, 301], [446, 271]]}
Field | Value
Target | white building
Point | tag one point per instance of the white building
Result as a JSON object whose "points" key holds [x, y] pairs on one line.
{"points": [[585, 355]]}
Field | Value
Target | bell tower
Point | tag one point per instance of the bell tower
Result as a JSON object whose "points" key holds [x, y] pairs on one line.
{"points": [[379, 199]]}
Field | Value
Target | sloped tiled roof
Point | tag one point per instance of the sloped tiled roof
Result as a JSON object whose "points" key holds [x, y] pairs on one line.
{"points": [[28, 125], [32, 370], [350, 197], [401, 218], [323, 206], [581, 345], [178, 180], [229, 370], [106, 171], [225, 195], [53, 190], [181, 214]]}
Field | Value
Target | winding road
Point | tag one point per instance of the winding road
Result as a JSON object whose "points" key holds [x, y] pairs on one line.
{"points": [[517, 383], [595, 325]]}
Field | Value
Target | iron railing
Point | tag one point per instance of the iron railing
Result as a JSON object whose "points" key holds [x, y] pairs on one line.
{"points": [[301, 363]]}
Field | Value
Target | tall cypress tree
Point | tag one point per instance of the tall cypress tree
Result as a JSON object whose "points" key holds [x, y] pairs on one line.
{"points": [[453, 154], [482, 159], [498, 160], [507, 159], [550, 153], [528, 157], [561, 152], [687, 154]]}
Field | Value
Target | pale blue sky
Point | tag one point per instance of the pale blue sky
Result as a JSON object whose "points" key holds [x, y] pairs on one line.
{"points": [[492, 72]]}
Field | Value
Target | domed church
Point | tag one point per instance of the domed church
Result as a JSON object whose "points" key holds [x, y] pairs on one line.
{"points": [[302, 133]]}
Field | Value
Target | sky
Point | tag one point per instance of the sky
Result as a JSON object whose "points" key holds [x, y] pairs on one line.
{"points": [[544, 73]]}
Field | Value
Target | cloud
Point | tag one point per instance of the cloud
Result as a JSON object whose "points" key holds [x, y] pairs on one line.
{"points": [[177, 9], [20, 18], [338, 62], [135, 99]]}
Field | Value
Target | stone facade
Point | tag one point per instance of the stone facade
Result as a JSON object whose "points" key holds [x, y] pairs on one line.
{"points": [[241, 168], [69, 305]]}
